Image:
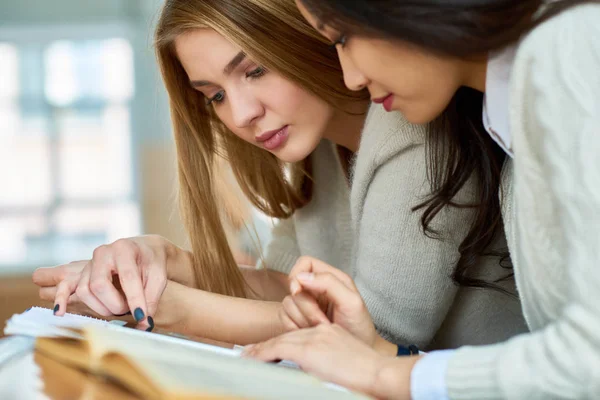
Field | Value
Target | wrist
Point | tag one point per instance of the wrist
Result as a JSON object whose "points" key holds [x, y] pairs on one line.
{"points": [[180, 265], [384, 348], [392, 379], [171, 311]]}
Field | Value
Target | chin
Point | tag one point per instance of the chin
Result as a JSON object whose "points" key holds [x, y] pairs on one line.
{"points": [[419, 118], [416, 118], [292, 154], [290, 158]]}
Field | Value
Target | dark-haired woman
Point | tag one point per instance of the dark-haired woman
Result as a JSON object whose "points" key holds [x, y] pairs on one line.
{"points": [[527, 73]]}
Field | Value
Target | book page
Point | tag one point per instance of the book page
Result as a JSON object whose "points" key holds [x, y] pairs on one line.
{"points": [[181, 370], [41, 322], [38, 321]]}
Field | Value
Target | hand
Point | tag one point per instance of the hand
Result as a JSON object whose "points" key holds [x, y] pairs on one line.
{"points": [[322, 294], [140, 263], [48, 280], [333, 354]]}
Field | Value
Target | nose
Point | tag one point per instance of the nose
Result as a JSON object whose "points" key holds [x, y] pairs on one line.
{"points": [[245, 108], [353, 78]]}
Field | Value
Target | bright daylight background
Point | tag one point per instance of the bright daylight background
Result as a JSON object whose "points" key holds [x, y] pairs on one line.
{"points": [[86, 154]]}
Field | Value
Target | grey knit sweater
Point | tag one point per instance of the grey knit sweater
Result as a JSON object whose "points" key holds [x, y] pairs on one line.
{"points": [[371, 233]]}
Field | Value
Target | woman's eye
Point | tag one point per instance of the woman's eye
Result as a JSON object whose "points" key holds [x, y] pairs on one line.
{"points": [[256, 73], [217, 98], [341, 40]]}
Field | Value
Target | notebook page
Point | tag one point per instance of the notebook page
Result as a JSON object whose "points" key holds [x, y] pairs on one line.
{"points": [[41, 322], [179, 369], [38, 321]]}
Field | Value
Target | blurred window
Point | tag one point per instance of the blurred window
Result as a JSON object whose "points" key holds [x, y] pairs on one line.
{"points": [[66, 167]]}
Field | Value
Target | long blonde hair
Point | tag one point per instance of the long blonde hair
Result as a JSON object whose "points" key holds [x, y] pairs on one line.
{"points": [[274, 34]]}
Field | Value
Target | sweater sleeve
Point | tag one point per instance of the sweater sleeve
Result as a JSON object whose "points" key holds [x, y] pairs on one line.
{"points": [[558, 111], [282, 251], [402, 274]]}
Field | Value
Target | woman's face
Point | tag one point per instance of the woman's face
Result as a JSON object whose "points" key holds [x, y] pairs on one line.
{"points": [[259, 106], [398, 75]]}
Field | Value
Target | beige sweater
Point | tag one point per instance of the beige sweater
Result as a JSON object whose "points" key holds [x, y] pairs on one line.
{"points": [[372, 234], [552, 218]]}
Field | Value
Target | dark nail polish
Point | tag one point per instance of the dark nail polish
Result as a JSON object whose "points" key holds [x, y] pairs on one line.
{"points": [[151, 323], [122, 315], [138, 314], [56, 307]]}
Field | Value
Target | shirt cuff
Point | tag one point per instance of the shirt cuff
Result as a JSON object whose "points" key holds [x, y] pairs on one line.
{"points": [[428, 377]]}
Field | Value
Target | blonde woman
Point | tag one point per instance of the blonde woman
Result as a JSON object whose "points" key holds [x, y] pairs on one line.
{"points": [[251, 81]]}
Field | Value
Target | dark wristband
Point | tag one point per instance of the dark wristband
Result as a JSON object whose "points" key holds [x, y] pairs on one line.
{"points": [[411, 350]]}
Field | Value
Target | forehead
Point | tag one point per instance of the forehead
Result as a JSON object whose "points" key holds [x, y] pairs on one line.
{"points": [[204, 51]]}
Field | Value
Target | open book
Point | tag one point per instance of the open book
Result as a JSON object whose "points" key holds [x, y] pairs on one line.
{"points": [[161, 367]]}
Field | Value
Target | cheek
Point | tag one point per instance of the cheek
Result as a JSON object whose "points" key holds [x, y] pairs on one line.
{"points": [[428, 103], [294, 105], [283, 98], [423, 87]]}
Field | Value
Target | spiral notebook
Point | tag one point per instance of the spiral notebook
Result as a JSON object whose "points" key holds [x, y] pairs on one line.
{"points": [[155, 366]]}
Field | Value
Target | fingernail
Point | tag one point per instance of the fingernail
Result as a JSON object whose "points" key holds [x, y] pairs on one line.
{"points": [[138, 314], [306, 277], [294, 287], [151, 323], [56, 308]]}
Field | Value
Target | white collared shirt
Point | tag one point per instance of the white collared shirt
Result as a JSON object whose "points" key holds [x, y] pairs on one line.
{"points": [[428, 378], [496, 99]]}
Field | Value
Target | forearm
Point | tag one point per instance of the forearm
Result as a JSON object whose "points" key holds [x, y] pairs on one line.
{"points": [[227, 319], [265, 284]]}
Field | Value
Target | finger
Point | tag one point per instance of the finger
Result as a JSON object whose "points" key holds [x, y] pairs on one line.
{"points": [[49, 276], [49, 294], [130, 278], [288, 324], [155, 287], [63, 291], [294, 313], [87, 297], [330, 287], [313, 265], [156, 282], [52, 276], [310, 309], [102, 286], [288, 346], [147, 325]]}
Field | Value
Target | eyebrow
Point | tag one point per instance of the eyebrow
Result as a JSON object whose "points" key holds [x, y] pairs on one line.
{"points": [[231, 65]]}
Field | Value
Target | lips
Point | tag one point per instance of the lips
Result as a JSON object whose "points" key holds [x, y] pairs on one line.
{"points": [[387, 101], [272, 140]]}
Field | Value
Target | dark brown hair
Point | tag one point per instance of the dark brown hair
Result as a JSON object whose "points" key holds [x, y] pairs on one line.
{"points": [[459, 146]]}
